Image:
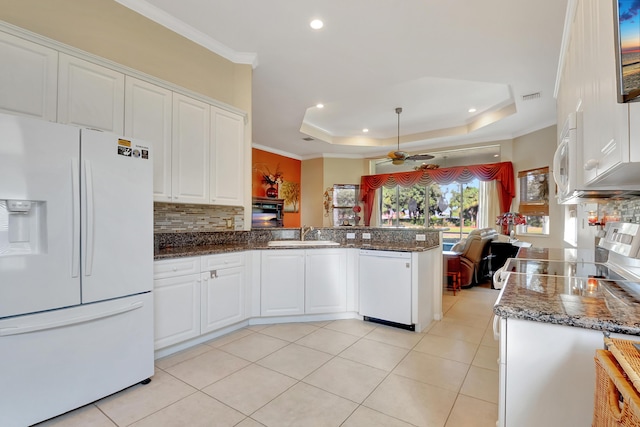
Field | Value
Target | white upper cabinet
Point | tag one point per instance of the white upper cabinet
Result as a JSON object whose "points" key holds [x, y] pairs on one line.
{"points": [[90, 95], [28, 78], [190, 150], [199, 148], [606, 154], [606, 132], [148, 116], [570, 89], [227, 158]]}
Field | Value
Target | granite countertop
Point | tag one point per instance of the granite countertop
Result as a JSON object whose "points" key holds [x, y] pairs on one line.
{"points": [[589, 303], [188, 251]]}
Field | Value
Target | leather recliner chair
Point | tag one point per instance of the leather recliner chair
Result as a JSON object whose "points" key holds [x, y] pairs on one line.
{"points": [[474, 251]]}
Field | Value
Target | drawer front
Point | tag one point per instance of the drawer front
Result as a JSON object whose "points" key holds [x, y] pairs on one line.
{"points": [[176, 267], [217, 262]]}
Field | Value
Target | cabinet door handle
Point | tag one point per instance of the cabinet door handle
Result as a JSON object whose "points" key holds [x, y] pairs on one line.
{"points": [[214, 274], [496, 329], [590, 164]]}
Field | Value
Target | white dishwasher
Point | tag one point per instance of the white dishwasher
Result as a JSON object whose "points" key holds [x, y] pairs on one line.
{"points": [[385, 287]]}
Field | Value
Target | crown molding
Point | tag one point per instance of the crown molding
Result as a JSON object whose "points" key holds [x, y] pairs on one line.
{"points": [[161, 17], [275, 151]]}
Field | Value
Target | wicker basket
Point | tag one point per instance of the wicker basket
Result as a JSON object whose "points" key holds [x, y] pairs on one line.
{"points": [[616, 401], [627, 356]]}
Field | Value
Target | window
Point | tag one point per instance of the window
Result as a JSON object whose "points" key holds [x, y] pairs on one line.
{"points": [[454, 206], [403, 206], [345, 197], [534, 200]]}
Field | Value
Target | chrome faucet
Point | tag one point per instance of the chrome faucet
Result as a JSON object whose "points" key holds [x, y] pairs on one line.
{"points": [[304, 230]]}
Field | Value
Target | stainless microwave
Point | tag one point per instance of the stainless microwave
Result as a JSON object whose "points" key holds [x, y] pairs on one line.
{"points": [[267, 213]]}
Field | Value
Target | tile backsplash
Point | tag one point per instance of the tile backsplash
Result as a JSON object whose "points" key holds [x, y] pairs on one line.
{"points": [[182, 218], [629, 210]]}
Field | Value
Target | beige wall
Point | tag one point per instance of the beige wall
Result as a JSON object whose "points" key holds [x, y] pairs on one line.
{"points": [[535, 150], [312, 188]]}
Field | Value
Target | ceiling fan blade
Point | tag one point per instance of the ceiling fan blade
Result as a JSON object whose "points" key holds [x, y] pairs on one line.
{"points": [[420, 157]]}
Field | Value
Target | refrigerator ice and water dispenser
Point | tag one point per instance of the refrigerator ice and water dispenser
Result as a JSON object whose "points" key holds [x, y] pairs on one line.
{"points": [[22, 227]]}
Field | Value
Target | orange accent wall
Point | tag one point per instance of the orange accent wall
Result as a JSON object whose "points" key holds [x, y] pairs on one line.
{"points": [[265, 162]]}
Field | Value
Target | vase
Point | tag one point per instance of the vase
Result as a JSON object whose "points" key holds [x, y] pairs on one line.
{"points": [[272, 192]]}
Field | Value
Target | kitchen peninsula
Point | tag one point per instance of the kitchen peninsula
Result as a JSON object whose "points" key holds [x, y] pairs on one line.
{"points": [[551, 322], [209, 284]]}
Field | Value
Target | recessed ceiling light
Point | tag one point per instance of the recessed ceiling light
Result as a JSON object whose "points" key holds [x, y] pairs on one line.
{"points": [[496, 155], [365, 130], [320, 105], [472, 110], [316, 24]]}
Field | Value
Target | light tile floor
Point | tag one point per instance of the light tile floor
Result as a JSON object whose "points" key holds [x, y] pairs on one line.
{"points": [[342, 373]]}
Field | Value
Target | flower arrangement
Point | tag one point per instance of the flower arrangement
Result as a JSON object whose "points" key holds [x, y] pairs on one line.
{"points": [[508, 219], [272, 178]]}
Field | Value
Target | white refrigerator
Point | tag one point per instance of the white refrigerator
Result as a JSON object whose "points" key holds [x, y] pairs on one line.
{"points": [[76, 267]]}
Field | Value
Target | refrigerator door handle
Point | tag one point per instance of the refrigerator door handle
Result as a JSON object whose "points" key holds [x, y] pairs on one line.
{"points": [[89, 218], [18, 330], [75, 218]]}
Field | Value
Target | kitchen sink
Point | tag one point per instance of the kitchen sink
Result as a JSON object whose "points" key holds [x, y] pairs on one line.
{"points": [[290, 243]]}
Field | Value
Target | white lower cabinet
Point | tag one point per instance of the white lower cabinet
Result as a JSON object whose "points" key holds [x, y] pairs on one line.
{"points": [[547, 374], [296, 282], [325, 281], [176, 298], [177, 309], [282, 282], [222, 298], [197, 295]]}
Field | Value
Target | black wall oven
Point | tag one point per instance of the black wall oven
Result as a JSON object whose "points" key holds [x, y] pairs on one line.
{"points": [[267, 213]]}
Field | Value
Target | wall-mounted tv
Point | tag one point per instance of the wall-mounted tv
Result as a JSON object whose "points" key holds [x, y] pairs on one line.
{"points": [[627, 25]]}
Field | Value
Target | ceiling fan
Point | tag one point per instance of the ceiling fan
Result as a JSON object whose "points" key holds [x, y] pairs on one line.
{"points": [[398, 157]]}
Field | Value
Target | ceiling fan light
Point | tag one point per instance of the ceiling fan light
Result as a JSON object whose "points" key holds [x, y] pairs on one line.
{"points": [[399, 161]]}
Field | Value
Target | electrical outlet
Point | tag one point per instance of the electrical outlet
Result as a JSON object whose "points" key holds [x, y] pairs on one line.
{"points": [[421, 237], [351, 235], [366, 236]]}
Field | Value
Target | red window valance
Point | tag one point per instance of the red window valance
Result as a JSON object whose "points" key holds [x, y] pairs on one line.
{"points": [[502, 172]]}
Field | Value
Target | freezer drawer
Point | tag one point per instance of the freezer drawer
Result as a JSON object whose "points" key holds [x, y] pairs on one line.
{"points": [[60, 360]]}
